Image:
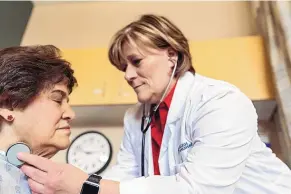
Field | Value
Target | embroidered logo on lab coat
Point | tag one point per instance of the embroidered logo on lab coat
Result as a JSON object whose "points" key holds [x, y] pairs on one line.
{"points": [[184, 146]]}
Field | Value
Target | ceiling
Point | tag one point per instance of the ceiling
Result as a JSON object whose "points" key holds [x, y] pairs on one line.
{"points": [[113, 115]]}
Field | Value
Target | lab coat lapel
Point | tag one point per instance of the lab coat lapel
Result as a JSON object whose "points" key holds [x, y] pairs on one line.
{"points": [[175, 114], [182, 90]]}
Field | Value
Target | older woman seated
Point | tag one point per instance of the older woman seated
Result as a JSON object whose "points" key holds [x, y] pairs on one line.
{"points": [[35, 83]]}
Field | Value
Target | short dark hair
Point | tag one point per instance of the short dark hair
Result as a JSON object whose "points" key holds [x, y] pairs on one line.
{"points": [[26, 71]]}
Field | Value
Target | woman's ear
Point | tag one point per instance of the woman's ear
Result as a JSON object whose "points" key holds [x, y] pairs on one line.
{"points": [[7, 114], [173, 56]]}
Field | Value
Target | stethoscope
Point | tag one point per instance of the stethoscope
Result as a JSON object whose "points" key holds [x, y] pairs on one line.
{"points": [[146, 120], [13, 150]]}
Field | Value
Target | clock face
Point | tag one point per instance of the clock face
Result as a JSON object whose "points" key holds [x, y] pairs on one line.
{"points": [[90, 151]]}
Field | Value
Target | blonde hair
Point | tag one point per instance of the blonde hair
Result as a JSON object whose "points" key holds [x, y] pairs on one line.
{"points": [[154, 32]]}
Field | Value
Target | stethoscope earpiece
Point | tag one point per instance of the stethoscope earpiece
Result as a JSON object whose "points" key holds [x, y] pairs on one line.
{"points": [[12, 152]]}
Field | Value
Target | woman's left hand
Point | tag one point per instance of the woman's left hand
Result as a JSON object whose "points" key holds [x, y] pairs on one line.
{"points": [[47, 177]]}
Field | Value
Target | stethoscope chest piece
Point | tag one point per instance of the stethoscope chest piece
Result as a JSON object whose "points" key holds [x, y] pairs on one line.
{"points": [[12, 152]]}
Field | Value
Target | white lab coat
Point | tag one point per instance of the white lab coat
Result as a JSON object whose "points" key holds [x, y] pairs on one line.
{"points": [[210, 146]]}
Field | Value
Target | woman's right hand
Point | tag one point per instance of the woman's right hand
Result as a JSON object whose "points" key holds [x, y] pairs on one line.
{"points": [[47, 177]]}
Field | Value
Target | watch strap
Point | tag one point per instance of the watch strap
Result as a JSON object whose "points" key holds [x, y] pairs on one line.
{"points": [[94, 178], [91, 185]]}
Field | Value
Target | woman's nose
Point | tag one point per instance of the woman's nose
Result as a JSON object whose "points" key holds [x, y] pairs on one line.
{"points": [[69, 113], [130, 73]]}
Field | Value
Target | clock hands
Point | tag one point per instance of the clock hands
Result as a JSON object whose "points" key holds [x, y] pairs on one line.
{"points": [[90, 151]]}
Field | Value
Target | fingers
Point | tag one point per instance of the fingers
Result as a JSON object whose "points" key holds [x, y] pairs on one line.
{"points": [[35, 174], [36, 187], [37, 161]]}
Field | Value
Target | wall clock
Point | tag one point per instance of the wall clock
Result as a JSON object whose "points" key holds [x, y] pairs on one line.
{"points": [[90, 151]]}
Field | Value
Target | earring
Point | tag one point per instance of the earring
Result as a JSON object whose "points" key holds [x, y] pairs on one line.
{"points": [[10, 118]]}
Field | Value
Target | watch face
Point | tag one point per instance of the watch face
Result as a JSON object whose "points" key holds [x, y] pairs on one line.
{"points": [[90, 151]]}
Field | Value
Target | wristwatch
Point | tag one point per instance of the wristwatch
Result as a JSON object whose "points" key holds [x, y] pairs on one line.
{"points": [[91, 185]]}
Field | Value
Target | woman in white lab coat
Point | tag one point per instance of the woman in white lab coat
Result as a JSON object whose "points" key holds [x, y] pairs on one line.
{"points": [[200, 136]]}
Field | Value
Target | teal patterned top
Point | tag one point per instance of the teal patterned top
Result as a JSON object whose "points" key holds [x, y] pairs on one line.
{"points": [[12, 179]]}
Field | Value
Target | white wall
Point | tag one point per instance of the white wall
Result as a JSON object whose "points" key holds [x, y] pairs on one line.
{"points": [[92, 24]]}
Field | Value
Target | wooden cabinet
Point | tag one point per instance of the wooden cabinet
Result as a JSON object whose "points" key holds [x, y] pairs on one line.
{"points": [[95, 76], [99, 83], [124, 94], [240, 61]]}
